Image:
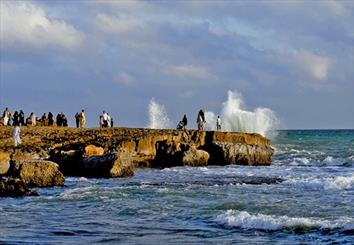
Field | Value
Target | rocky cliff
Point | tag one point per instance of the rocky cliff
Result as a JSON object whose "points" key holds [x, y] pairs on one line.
{"points": [[116, 152]]}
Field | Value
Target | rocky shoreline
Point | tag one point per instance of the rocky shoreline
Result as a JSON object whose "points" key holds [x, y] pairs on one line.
{"points": [[47, 154]]}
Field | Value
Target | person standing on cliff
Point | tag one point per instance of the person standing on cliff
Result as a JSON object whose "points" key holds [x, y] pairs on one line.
{"points": [[82, 119], [77, 120], [16, 135], [6, 115], [184, 121], [201, 120], [50, 119], [218, 124], [22, 118]]}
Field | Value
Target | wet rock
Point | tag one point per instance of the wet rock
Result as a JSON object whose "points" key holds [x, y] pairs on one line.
{"points": [[14, 187], [240, 153], [110, 165]]}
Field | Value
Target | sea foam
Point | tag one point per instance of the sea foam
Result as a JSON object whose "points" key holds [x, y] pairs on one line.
{"points": [[158, 118], [235, 118], [245, 220]]}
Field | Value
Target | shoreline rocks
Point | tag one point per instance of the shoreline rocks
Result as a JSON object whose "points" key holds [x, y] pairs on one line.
{"points": [[117, 152]]}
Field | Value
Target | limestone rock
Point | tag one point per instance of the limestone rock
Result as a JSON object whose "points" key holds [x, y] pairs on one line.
{"points": [[4, 162], [40, 173], [11, 187], [195, 157], [92, 150], [112, 165], [241, 154]]}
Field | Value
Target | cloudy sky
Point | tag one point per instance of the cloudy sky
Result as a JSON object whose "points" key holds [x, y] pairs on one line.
{"points": [[294, 57]]}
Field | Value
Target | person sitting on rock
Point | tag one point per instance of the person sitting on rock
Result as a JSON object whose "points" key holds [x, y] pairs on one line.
{"points": [[180, 125]]}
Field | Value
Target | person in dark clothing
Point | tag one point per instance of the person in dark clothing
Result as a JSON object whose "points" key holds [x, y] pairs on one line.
{"points": [[64, 120], [50, 119], [59, 120], [77, 119], [16, 119], [184, 121], [22, 118]]}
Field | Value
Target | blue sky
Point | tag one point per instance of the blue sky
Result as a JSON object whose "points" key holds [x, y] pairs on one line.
{"points": [[294, 57]]}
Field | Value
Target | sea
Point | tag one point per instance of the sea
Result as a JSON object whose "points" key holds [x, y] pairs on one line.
{"points": [[306, 196]]}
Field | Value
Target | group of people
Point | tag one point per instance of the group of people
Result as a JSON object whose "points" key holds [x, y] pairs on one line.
{"points": [[80, 119], [200, 122]]}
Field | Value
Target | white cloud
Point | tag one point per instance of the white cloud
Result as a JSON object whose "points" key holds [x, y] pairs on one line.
{"points": [[118, 24], [316, 65], [124, 78], [188, 71], [24, 25]]}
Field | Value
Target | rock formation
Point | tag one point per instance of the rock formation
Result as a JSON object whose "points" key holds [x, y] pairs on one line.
{"points": [[116, 152]]}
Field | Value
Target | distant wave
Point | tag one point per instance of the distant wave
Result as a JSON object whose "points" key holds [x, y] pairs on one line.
{"points": [[335, 183], [245, 220]]}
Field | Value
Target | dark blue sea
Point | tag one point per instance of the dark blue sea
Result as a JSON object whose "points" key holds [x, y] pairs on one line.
{"points": [[305, 197]]}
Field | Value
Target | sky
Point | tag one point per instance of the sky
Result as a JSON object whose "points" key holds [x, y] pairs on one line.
{"points": [[294, 57]]}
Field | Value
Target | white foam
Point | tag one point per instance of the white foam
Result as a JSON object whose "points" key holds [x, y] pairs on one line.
{"points": [[329, 183], [340, 182], [158, 118], [300, 161], [329, 160], [235, 118], [245, 220]]}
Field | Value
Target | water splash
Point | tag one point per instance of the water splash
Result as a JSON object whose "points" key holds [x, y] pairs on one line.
{"points": [[158, 118], [234, 118]]}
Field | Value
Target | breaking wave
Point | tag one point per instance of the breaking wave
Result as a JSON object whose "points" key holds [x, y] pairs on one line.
{"points": [[332, 183], [235, 118], [245, 220], [158, 118]]}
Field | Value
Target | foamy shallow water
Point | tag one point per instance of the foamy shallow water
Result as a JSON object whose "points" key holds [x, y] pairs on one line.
{"points": [[309, 202]]}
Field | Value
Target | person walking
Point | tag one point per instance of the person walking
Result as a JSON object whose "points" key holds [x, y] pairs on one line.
{"points": [[218, 124], [16, 119], [16, 135]]}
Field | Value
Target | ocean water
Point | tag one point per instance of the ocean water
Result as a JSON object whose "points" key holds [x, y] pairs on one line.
{"points": [[305, 197]]}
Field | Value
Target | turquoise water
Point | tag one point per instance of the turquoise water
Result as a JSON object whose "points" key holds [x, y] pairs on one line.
{"points": [[305, 197]]}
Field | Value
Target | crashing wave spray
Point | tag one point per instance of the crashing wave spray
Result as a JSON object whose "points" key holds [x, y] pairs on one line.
{"points": [[158, 118], [234, 118]]}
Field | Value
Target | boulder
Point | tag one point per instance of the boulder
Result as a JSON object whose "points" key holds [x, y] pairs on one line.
{"points": [[240, 153], [91, 150], [39, 173], [4, 162], [110, 165], [14, 187], [195, 157]]}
